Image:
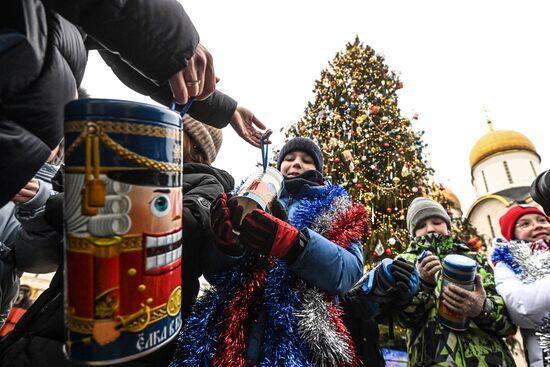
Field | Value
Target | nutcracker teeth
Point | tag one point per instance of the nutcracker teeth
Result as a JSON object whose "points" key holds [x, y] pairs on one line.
{"points": [[161, 260], [171, 238], [151, 262], [175, 255], [161, 241], [178, 236], [170, 257], [151, 242], [179, 249]]}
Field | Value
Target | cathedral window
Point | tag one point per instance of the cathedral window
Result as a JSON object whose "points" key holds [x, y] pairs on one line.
{"points": [[485, 181], [491, 226], [508, 174]]}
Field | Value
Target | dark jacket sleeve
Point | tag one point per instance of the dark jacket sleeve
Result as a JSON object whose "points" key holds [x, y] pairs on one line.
{"points": [[200, 190], [22, 156], [155, 37], [215, 111], [38, 247]]}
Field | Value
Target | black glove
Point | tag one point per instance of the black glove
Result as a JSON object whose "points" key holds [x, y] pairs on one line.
{"points": [[405, 275], [53, 212]]}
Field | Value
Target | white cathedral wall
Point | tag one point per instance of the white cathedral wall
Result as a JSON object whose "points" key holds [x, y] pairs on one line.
{"points": [[491, 176], [485, 218]]}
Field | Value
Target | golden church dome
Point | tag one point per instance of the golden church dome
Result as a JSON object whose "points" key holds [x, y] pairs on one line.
{"points": [[451, 196], [496, 141], [441, 191]]}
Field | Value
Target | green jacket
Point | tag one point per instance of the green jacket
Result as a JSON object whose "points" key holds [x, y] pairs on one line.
{"points": [[429, 343]]}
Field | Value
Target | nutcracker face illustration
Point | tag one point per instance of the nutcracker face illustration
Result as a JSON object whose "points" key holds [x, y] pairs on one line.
{"points": [[123, 215], [161, 230]]}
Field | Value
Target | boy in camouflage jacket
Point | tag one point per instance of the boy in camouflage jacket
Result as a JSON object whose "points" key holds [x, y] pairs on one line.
{"points": [[429, 343]]}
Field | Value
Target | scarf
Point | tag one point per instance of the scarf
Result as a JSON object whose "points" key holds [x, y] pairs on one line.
{"points": [[303, 325], [294, 184]]}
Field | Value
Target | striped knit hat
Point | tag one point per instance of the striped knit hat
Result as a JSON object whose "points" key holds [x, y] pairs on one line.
{"points": [[208, 138]]}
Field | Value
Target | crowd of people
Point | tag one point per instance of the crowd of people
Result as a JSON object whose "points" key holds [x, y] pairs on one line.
{"points": [[287, 285]]}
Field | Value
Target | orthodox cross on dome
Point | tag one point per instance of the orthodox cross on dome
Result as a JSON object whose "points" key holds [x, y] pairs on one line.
{"points": [[489, 122]]}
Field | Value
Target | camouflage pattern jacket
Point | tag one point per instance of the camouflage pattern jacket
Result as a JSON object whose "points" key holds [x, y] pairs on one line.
{"points": [[429, 343]]}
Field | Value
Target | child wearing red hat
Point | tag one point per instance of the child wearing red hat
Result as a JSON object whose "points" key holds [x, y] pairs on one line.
{"points": [[526, 223], [522, 276]]}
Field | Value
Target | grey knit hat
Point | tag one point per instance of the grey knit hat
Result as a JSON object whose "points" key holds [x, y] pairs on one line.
{"points": [[304, 145], [208, 138], [422, 208]]}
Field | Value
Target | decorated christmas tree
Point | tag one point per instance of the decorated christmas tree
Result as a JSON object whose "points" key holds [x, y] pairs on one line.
{"points": [[375, 152], [369, 147]]}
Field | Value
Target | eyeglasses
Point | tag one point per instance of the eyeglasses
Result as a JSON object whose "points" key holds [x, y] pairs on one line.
{"points": [[525, 225]]}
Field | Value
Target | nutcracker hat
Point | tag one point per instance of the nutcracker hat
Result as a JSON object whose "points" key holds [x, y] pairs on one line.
{"points": [[131, 142]]}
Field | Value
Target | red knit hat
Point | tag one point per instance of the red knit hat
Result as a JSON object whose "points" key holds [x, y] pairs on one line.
{"points": [[510, 218]]}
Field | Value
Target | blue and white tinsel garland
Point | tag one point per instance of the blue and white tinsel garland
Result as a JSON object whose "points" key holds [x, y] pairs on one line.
{"points": [[283, 346], [502, 255]]}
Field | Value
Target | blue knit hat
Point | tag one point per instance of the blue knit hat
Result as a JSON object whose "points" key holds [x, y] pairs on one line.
{"points": [[303, 145]]}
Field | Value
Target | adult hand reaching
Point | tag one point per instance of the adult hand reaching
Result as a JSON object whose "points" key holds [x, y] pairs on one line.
{"points": [[197, 79], [244, 123]]}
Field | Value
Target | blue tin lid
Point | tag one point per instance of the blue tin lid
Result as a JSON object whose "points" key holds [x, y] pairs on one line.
{"points": [[459, 268], [459, 262], [120, 110]]}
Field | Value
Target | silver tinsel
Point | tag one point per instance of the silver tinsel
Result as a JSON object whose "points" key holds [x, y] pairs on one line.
{"points": [[534, 264], [315, 323], [316, 327], [323, 222], [543, 335]]}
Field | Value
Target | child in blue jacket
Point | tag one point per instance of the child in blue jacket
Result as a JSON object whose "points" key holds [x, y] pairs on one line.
{"points": [[272, 300]]}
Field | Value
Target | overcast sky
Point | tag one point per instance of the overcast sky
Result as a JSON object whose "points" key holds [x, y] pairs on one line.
{"points": [[455, 58]]}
